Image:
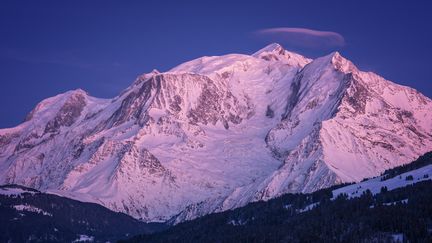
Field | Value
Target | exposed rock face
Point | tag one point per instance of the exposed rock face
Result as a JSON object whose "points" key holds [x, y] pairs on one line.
{"points": [[68, 114], [218, 132]]}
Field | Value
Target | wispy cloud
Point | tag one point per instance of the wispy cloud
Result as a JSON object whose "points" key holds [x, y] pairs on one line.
{"points": [[304, 37]]}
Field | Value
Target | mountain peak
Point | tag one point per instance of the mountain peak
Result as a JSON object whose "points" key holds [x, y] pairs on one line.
{"points": [[339, 62], [274, 48], [337, 57], [276, 52], [76, 92], [145, 76], [71, 98]]}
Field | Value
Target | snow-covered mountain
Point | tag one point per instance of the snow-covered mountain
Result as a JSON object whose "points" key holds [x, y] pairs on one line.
{"points": [[218, 132]]}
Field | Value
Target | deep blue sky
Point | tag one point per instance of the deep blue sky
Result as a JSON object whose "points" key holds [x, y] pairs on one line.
{"points": [[48, 47]]}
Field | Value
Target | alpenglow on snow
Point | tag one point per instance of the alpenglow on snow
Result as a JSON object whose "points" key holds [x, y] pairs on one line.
{"points": [[218, 132]]}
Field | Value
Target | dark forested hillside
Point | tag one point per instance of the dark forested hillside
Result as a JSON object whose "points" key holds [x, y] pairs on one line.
{"points": [[404, 213], [28, 215]]}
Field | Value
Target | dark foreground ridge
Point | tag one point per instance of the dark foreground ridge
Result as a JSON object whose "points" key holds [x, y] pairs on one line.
{"points": [[28, 215]]}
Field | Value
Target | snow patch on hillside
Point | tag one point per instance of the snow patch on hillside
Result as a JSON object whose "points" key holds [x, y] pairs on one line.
{"points": [[30, 208], [14, 192], [375, 184]]}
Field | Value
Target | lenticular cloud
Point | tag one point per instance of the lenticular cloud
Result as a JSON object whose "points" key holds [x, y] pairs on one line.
{"points": [[304, 37]]}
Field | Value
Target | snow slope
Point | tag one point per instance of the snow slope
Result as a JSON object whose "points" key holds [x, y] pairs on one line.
{"points": [[375, 184], [218, 132]]}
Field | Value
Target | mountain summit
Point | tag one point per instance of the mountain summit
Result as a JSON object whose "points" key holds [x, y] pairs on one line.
{"points": [[276, 52], [218, 132]]}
